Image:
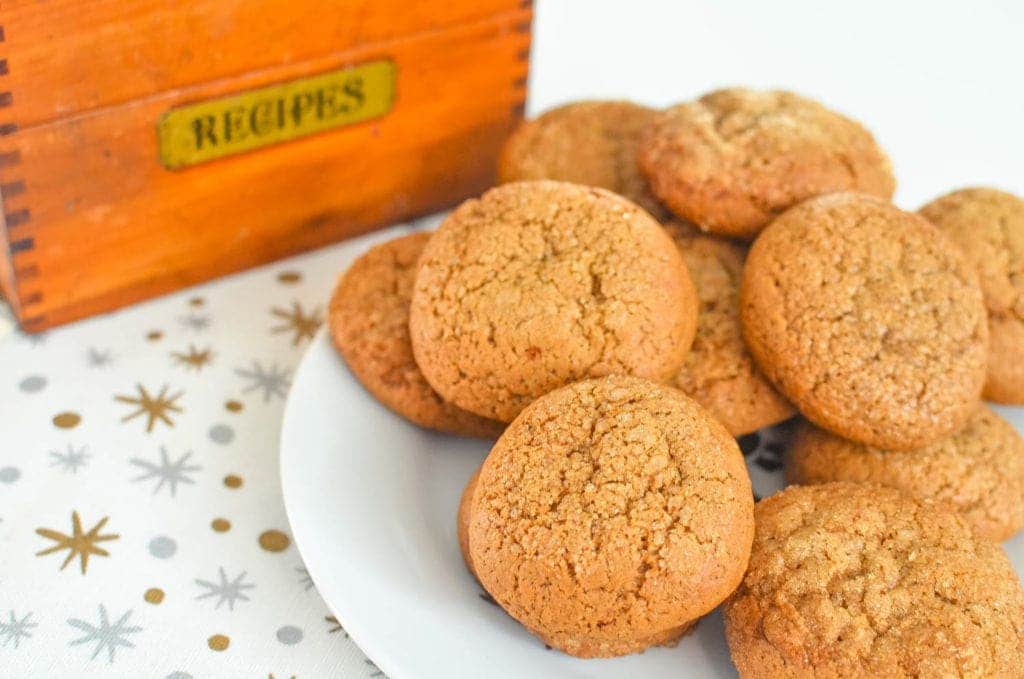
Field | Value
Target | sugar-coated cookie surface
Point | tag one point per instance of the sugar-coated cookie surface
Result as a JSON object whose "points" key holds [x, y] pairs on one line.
{"points": [[719, 372], [539, 284], [978, 470], [857, 580], [733, 159], [868, 319], [586, 142], [610, 515], [368, 320], [988, 225]]}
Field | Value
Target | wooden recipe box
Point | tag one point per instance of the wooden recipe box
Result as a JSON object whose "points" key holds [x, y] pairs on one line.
{"points": [[146, 145]]}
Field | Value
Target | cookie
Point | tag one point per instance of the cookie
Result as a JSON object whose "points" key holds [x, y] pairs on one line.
{"points": [[368, 319], [610, 516], [735, 158], [868, 319], [857, 580], [988, 225], [539, 284], [719, 372], [462, 520], [586, 142], [979, 470]]}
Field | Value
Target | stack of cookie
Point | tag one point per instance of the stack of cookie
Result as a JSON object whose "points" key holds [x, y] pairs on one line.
{"points": [[604, 306]]}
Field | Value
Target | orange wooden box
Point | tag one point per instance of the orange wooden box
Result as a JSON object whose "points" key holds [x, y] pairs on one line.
{"points": [[395, 109]]}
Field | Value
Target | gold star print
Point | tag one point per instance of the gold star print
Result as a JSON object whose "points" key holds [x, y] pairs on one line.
{"points": [[335, 625], [194, 359], [296, 321], [155, 408], [78, 543]]}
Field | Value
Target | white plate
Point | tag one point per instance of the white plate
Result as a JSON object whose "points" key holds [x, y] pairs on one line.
{"points": [[372, 502]]}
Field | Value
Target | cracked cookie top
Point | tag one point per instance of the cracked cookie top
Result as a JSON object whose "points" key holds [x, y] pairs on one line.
{"points": [[735, 158], [868, 318], [857, 580], [979, 470], [539, 284], [586, 142], [989, 226], [610, 513], [368, 319], [719, 372]]}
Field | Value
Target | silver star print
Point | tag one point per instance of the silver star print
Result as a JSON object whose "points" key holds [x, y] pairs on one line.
{"points": [[304, 579], [104, 634], [71, 460], [171, 473], [196, 322], [15, 629], [99, 358], [272, 381], [226, 591]]}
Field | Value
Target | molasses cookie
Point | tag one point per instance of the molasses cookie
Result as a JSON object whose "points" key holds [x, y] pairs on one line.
{"points": [[586, 142], [988, 225], [979, 470], [539, 284], [858, 580], [610, 516], [868, 319], [719, 372], [732, 160], [462, 519], [369, 323]]}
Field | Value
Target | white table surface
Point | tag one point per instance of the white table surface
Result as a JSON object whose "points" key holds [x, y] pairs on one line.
{"points": [[940, 87]]}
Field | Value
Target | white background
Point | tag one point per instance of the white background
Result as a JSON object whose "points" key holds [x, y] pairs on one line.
{"points": [[939, 83]]}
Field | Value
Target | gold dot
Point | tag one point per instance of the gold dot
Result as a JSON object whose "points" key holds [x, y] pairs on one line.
{"points": [[289, 277], [220, 525], [66, 420], [232, 481], [154, 595], [218, 642], [274, 541], [233, 406], [154, 335], [196, 302]]}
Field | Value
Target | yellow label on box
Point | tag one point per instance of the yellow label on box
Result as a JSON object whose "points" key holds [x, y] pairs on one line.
{"points": [[270, 115]]}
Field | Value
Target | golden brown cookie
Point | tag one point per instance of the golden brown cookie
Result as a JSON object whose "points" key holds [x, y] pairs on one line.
{"points": [[369, 323], [851, 581], [611, 515], [868, 319], [462, 519], [539, 284], [978, 470], [733, 159], [585, 142], [989, 226], [719, 372]]}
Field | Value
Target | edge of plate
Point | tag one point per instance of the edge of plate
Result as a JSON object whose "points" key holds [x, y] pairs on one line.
{"points": [[363, 642]]}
